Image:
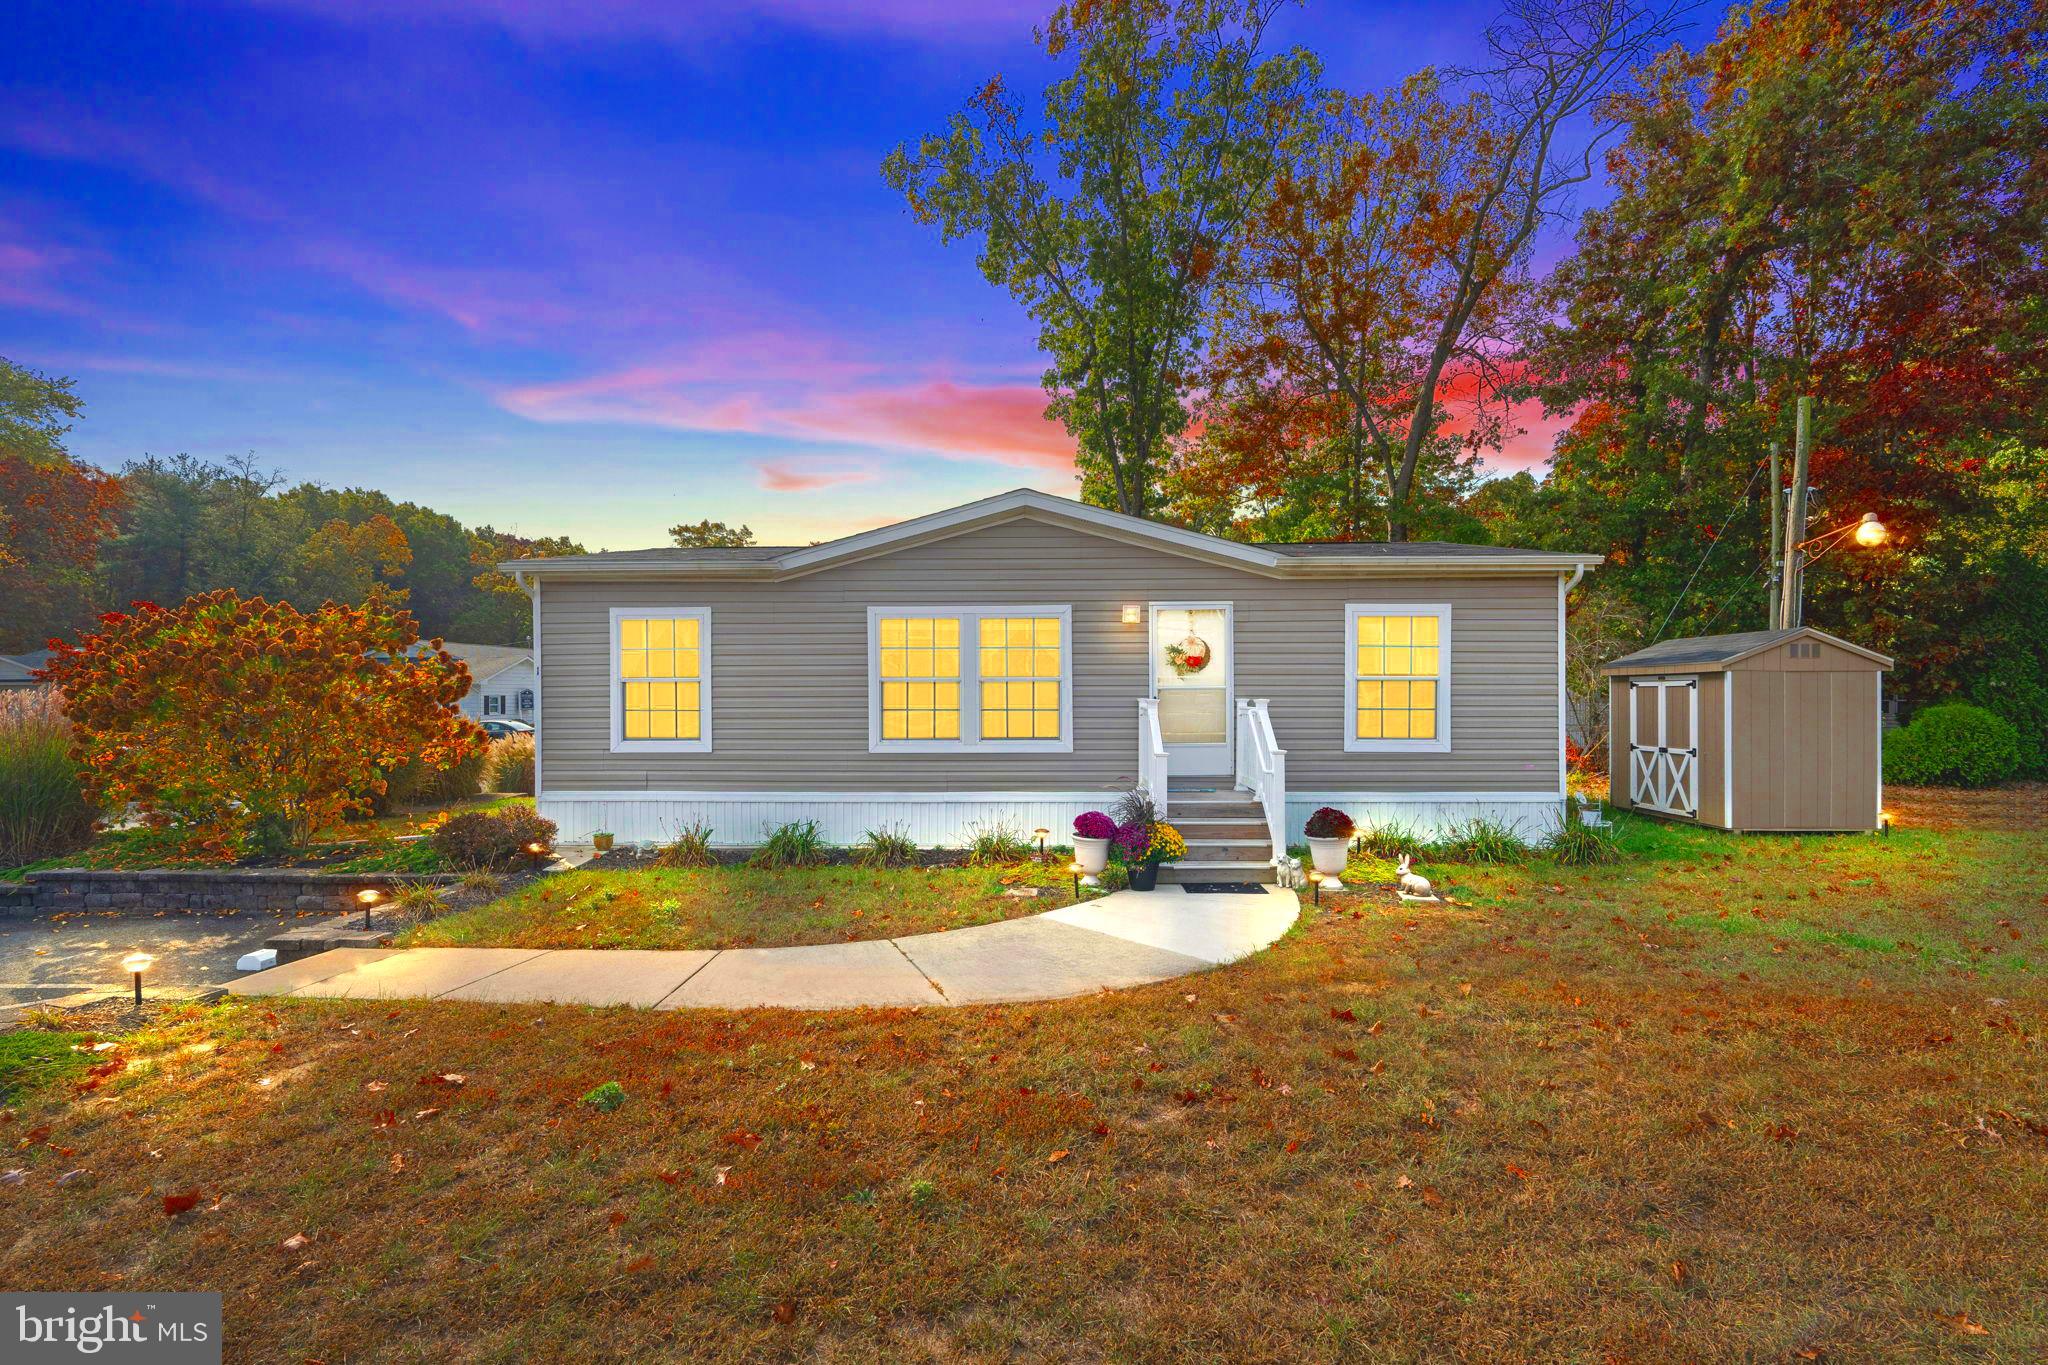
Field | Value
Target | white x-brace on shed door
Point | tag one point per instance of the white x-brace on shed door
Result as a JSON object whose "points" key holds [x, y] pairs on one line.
{"points": [[1663, 749]]}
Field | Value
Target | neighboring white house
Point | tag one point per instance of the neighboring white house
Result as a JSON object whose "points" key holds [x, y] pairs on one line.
{"points": [[18, 670], [501, 681]]}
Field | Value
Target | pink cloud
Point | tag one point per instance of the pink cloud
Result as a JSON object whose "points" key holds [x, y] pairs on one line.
{"points": [[808, 476], [772, 385]]}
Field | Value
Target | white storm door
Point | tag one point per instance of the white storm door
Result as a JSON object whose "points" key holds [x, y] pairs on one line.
{"points": [[1192, 661]]}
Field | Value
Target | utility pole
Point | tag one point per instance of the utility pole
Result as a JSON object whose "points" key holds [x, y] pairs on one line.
{"points": [[1792, 610], [1772, 515]]}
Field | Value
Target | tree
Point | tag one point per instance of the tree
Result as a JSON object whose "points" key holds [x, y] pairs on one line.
{"points": [[1839, 199], [54, 512], [500, 612], [711, 533], [341, 563], [1105, 216], [249, 725]]}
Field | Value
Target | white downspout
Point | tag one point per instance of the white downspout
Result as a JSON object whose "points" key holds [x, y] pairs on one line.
{"points": [[1564, 588]]}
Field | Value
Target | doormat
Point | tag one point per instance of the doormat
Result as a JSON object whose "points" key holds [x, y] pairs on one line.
{"points": [[1223, 888]]}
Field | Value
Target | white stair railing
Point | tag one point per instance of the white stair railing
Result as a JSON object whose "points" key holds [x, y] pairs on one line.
{"points": [[1262, 770], [1151, 755]]}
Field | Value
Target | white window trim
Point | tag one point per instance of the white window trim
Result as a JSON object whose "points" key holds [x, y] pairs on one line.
{"points": [[1442, 743], [617, 697], [970, 741]]}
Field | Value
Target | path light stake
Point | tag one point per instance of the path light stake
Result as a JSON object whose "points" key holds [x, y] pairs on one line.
{"points": [[368, 897], [1315, 879], [136, 964], [1041, 833], [1075, 868], [1884, 824], [538, 850]]}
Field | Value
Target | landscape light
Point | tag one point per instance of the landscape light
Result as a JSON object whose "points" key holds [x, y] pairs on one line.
{"points": [[1315, 879], [1041, 833], [1075, 868], [1884, 824], [368, 897], [1871, 532], [136, 964]]}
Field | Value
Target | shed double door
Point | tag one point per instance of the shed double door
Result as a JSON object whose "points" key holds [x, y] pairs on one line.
{"points": [[1663, 745]]}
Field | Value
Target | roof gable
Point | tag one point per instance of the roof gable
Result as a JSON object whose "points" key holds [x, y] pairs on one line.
{"points": [[775, 563], [1716, 652]]}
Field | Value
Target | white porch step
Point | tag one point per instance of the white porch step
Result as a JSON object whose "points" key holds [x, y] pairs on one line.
{"points": [[1204, 870]]}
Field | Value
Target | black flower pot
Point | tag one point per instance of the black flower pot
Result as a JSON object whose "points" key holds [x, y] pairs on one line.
{"points": [[1144, 876]]}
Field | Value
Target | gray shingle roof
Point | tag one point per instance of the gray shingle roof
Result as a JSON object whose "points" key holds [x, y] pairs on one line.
{"points": [[484, 660], [1705, 649], [1382, 549]]}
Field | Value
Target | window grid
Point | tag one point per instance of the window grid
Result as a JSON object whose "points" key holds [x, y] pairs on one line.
{"points": [[660, 672], [920, 664], [1397, 670], [1020, 677]]}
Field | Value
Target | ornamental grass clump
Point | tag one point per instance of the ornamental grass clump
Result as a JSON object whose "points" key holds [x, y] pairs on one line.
{"points": [[43, 807]]}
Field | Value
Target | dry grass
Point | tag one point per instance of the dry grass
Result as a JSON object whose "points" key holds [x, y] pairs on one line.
{"points": [[738, 907], [1578, 1116]]}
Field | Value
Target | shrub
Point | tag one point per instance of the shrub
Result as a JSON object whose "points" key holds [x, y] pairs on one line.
{"points": [[892, 847], [995, 845], [43, 807], [1330, 823], [1953, 745], [511, 765], [1389, 842], [493, 839], [796, 844], [417, 782], [690, 848], [1093, 824], [1582, 845], [1480, 840], [251, 724]]}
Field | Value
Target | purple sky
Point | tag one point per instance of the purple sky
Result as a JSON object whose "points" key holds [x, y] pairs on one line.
{"points": [[587, 268]]}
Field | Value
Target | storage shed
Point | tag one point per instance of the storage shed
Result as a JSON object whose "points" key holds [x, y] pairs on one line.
{"points": [[1762, 730]]}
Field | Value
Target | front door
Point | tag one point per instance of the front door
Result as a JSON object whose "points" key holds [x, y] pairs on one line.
{"points": [[1192, 659]]}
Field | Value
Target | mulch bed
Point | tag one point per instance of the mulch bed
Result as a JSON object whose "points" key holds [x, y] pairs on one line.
{"points": [[2021, 806]]}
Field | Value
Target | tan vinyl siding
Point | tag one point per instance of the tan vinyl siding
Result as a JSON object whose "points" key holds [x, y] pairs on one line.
{"points": [[789, 667]]}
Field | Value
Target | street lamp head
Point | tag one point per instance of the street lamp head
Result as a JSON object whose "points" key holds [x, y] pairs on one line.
{"points": [[1870, 532]]}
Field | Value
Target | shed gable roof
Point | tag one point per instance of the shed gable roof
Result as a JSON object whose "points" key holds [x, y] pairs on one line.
{"points": [[1716, 652], [1276, 560]]}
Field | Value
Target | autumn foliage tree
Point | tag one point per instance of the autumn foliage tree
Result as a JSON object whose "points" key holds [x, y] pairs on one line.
{"points": [[249, 725], [54, 512]]}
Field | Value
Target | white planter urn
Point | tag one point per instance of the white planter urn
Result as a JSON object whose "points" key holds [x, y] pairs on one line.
{"points": [[1093, 856], [1330, 857]]}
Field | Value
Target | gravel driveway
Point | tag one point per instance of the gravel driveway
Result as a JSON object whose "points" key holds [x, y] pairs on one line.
{"points": [[51, 956]]}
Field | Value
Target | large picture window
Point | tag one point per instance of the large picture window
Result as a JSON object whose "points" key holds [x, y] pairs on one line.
{"points": [[660, 680], [956, 679], [1397, 693]]}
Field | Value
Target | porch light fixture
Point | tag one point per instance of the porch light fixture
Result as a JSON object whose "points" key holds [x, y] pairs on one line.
{"points": [[366, 898], [1132, 614], [135, 964]]}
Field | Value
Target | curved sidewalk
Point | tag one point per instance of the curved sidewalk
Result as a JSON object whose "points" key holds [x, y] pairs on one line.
{"points": [[1127, 938]]}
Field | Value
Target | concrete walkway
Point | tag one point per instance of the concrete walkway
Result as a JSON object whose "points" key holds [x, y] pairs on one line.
{"points": [[1127, 938]]}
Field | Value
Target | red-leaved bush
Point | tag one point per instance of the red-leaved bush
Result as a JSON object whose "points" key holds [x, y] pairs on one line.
{"points": [[248, 725]]}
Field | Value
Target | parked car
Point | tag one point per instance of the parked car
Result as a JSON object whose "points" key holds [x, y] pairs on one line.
{"points": [[497, 727]]}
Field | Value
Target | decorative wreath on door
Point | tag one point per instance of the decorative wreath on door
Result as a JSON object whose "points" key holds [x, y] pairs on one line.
{"points": [[1189, 655]]}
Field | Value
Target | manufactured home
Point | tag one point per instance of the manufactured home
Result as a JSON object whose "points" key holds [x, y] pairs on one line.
{"points": [[1022, 659]]}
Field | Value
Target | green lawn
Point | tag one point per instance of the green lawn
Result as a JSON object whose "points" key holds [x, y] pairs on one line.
{"points": [[1736, 1099], [735, 907]]}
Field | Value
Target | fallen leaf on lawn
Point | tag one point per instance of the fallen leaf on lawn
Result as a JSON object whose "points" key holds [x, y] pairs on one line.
{"points": [[1402, 1182], [447, 1079], [374, 1086], [1517, 1172], [1061, 1155], [386, 1118], [1373, 1029], [785, 1312], [1430, 1196], [425, 1113], [1347, 1016], [742, 1138], [639, 1264], [1679, 1274], [669, 1177], [398, 1161], [1962, 1323], [720, 1174], [175, 1204], [294, 1242]]}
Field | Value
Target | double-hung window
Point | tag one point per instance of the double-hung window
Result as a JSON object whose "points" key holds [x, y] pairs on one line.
{"points": [[1397, 694], [951, 679], [660, 680]]}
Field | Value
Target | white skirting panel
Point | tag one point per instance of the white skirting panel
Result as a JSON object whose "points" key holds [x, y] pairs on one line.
{"points": [[741, 819], [950, 819], [1533, 815]]}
